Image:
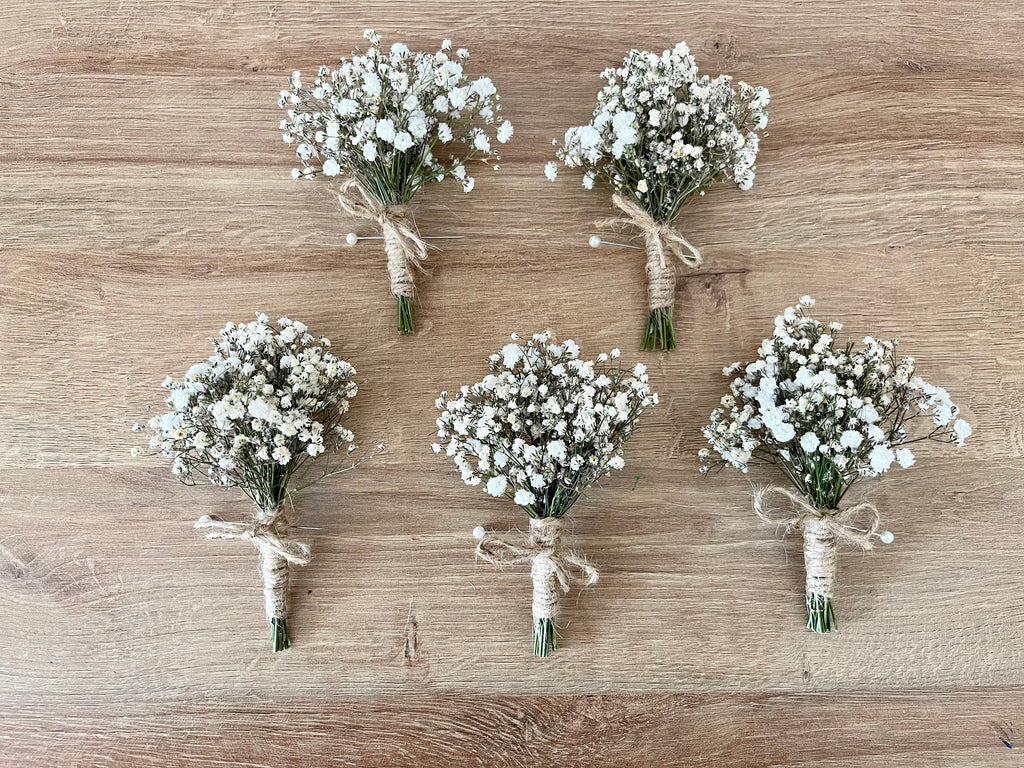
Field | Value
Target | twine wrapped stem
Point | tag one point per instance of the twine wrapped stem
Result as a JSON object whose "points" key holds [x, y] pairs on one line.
{"points": [[551, 570], [662, 242], [403, 245], [823, 531], [268, 533]]}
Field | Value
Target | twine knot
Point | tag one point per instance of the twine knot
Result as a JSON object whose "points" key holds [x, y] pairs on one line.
{"points": [[661, 241], [402, 243], [823, 530], [268, 533], [551, 566]]}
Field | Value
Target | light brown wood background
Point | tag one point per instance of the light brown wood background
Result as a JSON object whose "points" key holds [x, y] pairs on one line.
{"points": [[145, 199]]}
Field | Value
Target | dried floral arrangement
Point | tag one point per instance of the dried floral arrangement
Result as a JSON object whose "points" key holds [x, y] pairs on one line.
{"points": [[539, 429], [384, 124], [265, 404], [662, 134], [826, 415]]}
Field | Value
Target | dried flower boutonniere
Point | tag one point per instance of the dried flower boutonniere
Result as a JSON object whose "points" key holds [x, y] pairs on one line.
{"points": [[826, 415], [662, 134], [383, 124], [267, 402], [540, 429]]}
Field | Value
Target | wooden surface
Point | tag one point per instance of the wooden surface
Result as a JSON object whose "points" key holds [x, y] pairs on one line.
{"points": [[145, 199]]}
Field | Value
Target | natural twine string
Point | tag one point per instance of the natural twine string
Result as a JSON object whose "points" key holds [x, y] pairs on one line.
{"points": [[269, 534], [661, 241], [551, 567], [823, 530], [402, 243]]}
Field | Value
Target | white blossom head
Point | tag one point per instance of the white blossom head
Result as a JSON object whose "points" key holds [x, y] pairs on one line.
{"points": [[387, 108], [269, 399], [827, 413], [661, 132], [544, 424]]}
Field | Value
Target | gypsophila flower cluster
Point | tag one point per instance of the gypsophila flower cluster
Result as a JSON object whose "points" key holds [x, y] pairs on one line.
{"points": [[662, 133], [265, 402], [395, 120], [544, 424], [827, 414]]}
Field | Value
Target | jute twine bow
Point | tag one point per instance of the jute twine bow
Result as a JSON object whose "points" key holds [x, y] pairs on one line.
{"points": [[402, 243], [823, 530], [551, 567], [269, 534], [661, 241]]}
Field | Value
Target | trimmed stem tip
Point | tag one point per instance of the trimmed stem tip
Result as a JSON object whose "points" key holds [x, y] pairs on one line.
{"points": [[279, 634], [821, 617], [405, 323], [660, 334], [545, 637]]}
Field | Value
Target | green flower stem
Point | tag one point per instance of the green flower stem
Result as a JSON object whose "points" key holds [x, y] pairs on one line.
{"points": [[279, 634], [821, 618], [545, 637], [405, 323], [660, 334]]}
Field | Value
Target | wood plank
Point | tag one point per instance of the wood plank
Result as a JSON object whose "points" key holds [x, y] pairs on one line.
{"points": [[962, 728]]}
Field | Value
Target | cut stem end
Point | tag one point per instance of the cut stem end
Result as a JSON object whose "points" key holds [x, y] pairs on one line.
{"points": [[545, 637], [405, 323], [660, 334], [821, 618], [279, 634]]}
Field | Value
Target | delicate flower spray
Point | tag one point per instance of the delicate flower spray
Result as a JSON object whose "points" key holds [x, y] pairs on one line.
{"points": [[383, 124], [826, 415], [268, 401], [540, 429], [660, 135]]}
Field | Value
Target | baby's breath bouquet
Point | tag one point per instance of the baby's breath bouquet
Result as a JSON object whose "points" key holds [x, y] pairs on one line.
{"points": [[382, 125], [660, 135], [540, 429], [826, 415], [267, 401]]}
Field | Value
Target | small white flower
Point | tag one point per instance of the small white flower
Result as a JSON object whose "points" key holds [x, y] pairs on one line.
{"points": [[881, 458], [331, 167], [385, 130], [402, 141], [961, 431], [371, 83], [809, 442], [905, 457], [851, 439], [504, 132], [551, 170], [524, 498], [783, 432], [868, 414], [497, 485]]}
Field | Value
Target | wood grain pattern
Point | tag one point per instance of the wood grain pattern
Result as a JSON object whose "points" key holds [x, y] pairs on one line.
{"points": [[145, 200]]}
